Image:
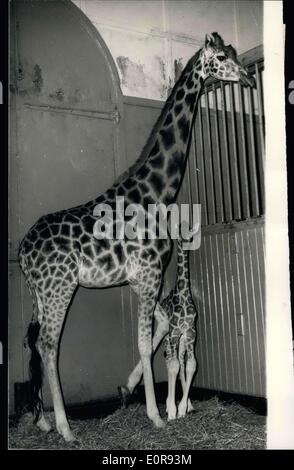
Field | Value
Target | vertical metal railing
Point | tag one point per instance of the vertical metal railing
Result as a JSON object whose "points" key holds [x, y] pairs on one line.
{"points": [[234, 159], [199, 145], [225, 158], [218, 173], [209, 164], [261, 133], [243, 158], [252, 160], [228, 148]]}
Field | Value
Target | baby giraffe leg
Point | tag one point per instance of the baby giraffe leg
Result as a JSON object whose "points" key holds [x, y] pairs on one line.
{"points": [[190, 370], [161, 330], [42, 422], [182, 352], [173, 366]]}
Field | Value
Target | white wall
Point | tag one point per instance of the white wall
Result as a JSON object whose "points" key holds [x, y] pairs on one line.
{"points": [[146, 37]]}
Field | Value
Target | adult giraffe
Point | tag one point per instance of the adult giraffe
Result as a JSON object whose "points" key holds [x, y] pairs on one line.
{"points": [[60, 252], [176, 323]]}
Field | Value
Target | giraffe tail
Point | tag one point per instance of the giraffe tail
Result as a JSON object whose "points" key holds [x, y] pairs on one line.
{"points": [[35, 370], [35, 363]]}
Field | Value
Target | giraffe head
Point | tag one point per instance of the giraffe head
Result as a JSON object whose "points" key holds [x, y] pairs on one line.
{"points": [[221, 62]]}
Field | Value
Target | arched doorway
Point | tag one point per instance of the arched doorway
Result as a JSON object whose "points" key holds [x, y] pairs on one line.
{"points": [[66, 147]]}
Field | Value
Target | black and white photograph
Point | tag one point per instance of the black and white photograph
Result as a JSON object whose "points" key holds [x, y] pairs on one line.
{"points": [[144, 211]]}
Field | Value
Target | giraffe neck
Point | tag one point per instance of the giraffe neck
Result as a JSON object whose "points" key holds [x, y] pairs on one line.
{"points": [[165, 164], [182, 276]]}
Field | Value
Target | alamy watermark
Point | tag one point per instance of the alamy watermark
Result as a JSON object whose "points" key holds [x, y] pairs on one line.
{"points": [[134, 222]]}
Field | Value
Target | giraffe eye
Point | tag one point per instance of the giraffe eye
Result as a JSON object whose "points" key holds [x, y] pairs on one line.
{"points": [[221, 58]]}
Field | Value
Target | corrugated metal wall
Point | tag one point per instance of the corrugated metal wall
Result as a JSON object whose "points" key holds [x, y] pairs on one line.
{"points": [[228, 275]]}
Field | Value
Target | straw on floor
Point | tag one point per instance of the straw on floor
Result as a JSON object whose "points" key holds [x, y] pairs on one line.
{"points": [[213, 425]]}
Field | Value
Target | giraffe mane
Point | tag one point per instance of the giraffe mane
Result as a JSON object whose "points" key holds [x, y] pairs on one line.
{"points": [[151, 139], [219, 42]]}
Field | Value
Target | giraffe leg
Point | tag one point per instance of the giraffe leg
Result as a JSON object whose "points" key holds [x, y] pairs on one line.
{"points": [[173, 366], [42, 422], [49, 352], [190, 407], [148, 295], [182, 352], [47, 345], [190, 370], [136, 375]]}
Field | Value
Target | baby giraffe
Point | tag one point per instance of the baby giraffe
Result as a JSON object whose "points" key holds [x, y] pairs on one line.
{"points": [[176, 318]]}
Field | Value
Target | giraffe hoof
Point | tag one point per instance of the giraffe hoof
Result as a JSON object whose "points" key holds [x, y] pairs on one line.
{"points": [[182, 412], [124, 395], [66, 433], [190, 408], [171, 417], [70, 437], [171, 413], [158, 422], [44, 425]]}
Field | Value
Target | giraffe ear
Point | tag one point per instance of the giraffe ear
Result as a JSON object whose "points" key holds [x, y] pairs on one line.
{"points": [[231, 52], [209, 40]]}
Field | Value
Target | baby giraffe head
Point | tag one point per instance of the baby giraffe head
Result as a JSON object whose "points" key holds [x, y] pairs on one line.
{"points": [[221, 62]]}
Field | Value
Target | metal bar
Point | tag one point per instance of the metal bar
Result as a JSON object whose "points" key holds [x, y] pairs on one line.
{"points": [[260, 157], [203, 201], [228, 302], [236, 226], [107, 115], [191, 179], [226, 167], [190, 193], [255, 314], [247, 307], [234, 160], [241, 294], [215, 309], [260, 274], [252, 161], [204, 318], [260, 108], [232, 253], [194, 177], [217, 239], [243, 159], [209, 314], [218, 172], [209, 166]]}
